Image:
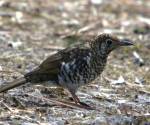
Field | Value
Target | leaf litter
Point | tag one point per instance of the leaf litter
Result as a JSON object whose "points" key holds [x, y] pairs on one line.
{"points": [[32, 30]]}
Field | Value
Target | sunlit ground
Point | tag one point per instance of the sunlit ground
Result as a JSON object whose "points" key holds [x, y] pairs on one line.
{"points": [[30, 30]]}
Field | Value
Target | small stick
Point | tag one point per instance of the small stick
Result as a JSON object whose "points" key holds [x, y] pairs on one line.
{"points": [[8, 107]]}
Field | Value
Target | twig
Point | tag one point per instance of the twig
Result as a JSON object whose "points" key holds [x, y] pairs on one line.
{"points": [[133, 86], [8, 107], [54, 48], [27, 118], [141, 88], [6, 71]]}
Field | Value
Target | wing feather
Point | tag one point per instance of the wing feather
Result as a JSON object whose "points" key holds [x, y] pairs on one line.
{"points": [[50, 67]]}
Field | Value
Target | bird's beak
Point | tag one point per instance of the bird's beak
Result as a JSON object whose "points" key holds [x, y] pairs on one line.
{"points": [[125, 42]]}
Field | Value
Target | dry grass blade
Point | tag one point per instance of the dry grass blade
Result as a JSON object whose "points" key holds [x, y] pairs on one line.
{"points": [[139, 87], [4, 71], [7, 106]]}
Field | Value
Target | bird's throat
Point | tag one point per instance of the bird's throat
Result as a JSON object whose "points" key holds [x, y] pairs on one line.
{"points": [[99, 62]]}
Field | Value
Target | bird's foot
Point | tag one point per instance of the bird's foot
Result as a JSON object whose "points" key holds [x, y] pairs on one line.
{"points": [[81, 104], [86, 106]]}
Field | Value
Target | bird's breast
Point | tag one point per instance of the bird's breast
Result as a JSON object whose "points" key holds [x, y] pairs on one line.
{"points": [[79, 72]]}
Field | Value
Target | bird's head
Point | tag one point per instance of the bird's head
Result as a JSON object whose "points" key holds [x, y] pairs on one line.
{"points": [[105, 43]]}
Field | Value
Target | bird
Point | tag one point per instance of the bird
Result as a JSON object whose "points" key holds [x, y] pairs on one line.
{"points": [[73, 67]]}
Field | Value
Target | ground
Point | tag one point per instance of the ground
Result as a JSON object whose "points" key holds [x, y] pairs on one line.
{"points": [[30, 30]]}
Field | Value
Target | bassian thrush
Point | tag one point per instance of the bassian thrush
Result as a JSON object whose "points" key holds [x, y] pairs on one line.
{"points": [[73, 67]]}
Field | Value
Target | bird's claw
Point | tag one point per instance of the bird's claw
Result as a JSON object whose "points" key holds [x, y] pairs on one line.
{"points": [[86, 106]]}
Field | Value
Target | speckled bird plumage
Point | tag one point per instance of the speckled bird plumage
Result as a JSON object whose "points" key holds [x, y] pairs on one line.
{"points": [[74, 67]]}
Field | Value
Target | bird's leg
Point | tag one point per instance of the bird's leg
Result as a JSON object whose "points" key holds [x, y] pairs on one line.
{"points": [[75, 97], [77, 101]]}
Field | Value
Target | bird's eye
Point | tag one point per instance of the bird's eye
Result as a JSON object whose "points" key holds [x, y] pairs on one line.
{"points": [[109, 42]]}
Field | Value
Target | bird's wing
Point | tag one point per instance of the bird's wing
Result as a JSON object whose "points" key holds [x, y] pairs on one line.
{"points": [[52, 64]]}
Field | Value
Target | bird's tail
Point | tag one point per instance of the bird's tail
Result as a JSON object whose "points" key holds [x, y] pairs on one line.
{"points": [[13, 84]]}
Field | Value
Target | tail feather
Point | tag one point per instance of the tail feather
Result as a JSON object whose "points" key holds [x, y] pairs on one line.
{"points": [[13, 84]]}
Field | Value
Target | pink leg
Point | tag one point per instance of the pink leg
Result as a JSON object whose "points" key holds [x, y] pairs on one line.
{"points": [[77, 101], [75, 98]]}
